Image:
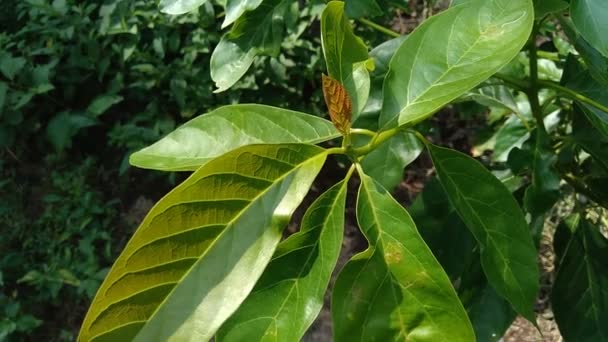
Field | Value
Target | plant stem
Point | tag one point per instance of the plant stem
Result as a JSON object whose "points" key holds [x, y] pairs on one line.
{"points": [[532, 91], [379, 28], [573, 94], [378, 139], [363, 131]]}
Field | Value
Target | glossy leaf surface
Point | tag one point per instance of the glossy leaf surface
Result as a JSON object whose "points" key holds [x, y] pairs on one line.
{"points": [[258, 32], [580, 293], [227, 128], [396, 289], [451, 53], [589, 17], [342, 50], [175, 278], [176, 7], [236, 8], [289, 295], [491, 213]]}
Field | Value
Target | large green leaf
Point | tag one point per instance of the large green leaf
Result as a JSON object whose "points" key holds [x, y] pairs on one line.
{"points": [[451, 53], [345, 54], [396, 289], [597, 63], [491, 213], [176, 277], [176, 7], [289, 295], [258, 32], [589, 17], [386, 163], [544, 7], [580, 293], [227, 128]]}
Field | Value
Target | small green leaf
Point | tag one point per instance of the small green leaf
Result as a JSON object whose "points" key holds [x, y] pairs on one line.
{"points": [[386, 163], [491, 213], [10, 66], [381, 55], [64, 126], [218, 228], [451, 53], [580, 293], [589, 17], [396, 289], [227, 128], [345, 54], [289, 295], [236, 8], [494, 96], [258, 32], [102, 103], [176, 7], [362, 8]]}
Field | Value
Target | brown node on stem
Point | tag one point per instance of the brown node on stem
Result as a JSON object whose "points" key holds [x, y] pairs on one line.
{"points": [[338, 103]]}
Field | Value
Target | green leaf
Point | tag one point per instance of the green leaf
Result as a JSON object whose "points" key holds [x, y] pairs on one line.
{"points": [[10, 66], [511, 135], [597, 63], [289, 295], [345, 54], [220, 227], [589, 17], [451, 53], [590, 139], [236, 8], [102, 103], [493, 96], [577, 78], [396, 289], [454, 246], [362, 8], [386, 163], [258, 32], [227, 128], [382, 55], [544, 7], [64, 126], [176, 7], [491, 213], [442, 229], [580, 293], [544, 192]]}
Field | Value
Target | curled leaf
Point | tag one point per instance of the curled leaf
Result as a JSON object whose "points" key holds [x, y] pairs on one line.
{"points": [[338, 103]]}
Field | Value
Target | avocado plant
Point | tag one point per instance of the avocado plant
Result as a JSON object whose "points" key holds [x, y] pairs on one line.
{"points": [[208, 261]]}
